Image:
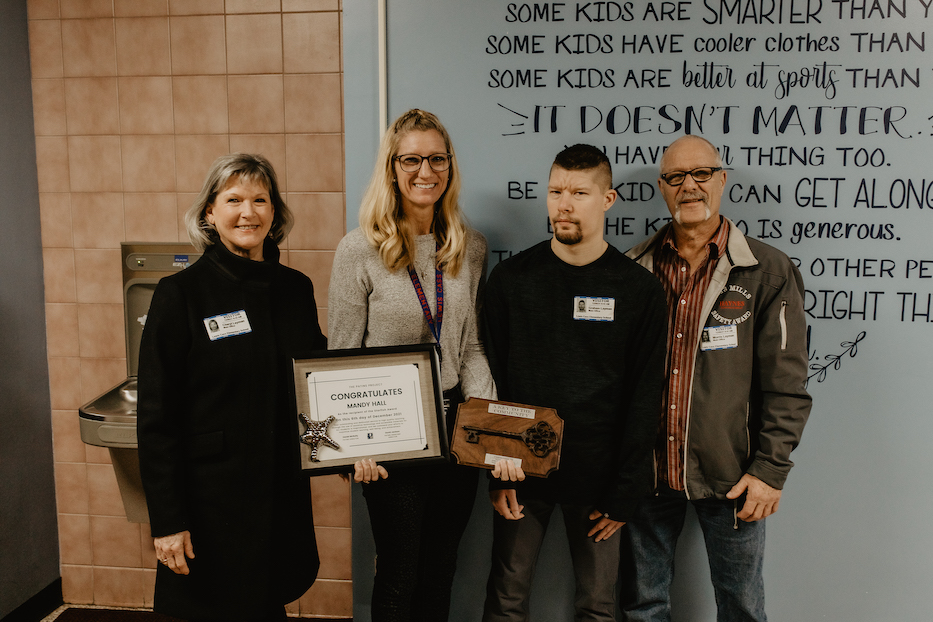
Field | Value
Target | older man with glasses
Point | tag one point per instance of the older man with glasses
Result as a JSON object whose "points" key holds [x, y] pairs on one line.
{"points": [[735, 402]]}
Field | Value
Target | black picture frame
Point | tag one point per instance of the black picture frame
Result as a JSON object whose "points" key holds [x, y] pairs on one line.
{"points": [[424, 356]]}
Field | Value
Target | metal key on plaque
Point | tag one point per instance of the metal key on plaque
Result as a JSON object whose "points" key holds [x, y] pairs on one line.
{"points": [[540, 437]]}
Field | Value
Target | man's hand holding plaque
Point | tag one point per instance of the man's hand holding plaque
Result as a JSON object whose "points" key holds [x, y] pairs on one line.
{"points": [[488, 432]]}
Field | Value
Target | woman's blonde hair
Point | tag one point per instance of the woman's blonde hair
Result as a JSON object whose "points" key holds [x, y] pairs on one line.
{"points": [[249, 167], [381, 217]]}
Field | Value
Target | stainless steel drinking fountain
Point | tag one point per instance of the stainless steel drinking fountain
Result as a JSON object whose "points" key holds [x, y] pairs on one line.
{"points": [[109, 420]]}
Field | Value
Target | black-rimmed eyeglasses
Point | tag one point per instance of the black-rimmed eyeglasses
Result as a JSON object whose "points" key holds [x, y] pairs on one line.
{"points": [[699, 175], [411, 162]]}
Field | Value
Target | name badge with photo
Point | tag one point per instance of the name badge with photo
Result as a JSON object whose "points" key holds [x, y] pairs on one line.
{"points": [[594, 309], [719, 338], [227, 325]]}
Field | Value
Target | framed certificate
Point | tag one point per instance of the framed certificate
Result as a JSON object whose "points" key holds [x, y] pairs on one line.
{"points": [[379, 403]]}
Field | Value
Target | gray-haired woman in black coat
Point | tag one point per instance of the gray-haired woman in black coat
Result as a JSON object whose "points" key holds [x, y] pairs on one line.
{"points": [[229, 508]]}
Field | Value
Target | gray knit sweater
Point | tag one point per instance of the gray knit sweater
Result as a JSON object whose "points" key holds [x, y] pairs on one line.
{"points": [[369, 306]]}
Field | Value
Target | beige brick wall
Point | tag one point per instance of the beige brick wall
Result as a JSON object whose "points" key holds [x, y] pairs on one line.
{"points": [[133, 100]]}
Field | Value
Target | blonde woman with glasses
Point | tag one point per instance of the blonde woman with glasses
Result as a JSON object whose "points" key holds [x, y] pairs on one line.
{"points": [[412, 273]]}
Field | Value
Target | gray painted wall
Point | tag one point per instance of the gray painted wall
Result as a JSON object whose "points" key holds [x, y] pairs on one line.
{"points": [[28, 525], [845, 545]]}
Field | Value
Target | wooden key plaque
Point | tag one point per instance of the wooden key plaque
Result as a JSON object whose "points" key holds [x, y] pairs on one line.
{"points": [[488, 431]]}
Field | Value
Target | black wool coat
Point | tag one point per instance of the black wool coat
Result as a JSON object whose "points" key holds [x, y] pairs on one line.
{"points": [[218, 439]]}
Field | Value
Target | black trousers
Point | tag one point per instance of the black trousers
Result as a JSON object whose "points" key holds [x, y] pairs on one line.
{"points": [[418, 516]]}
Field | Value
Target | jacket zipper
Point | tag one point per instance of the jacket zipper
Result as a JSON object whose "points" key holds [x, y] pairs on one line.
{"points": [[783, 326]]}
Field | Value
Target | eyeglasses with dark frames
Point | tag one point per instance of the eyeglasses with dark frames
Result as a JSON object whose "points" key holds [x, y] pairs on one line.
{"points": [[411, 162], [699, 175]]}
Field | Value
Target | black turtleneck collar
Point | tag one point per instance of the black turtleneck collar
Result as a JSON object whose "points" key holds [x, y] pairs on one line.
{"points": [[243, 269]]}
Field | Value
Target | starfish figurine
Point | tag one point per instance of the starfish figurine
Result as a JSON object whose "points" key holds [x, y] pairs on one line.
{"points": [[316, 434]]}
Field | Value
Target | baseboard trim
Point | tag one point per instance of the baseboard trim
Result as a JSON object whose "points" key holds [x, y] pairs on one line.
{"points": [[39, 606]]}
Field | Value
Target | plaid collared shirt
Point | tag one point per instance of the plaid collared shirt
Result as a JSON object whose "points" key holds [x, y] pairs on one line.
{"points": [[685, 294]]}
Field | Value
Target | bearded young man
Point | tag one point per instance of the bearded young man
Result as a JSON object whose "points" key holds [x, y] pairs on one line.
{"points": [[575, 325]]}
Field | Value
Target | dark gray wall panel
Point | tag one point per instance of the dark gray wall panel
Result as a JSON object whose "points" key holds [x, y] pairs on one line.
{"points": [[28, 525]]}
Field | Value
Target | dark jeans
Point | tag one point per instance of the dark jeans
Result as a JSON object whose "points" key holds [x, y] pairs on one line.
{"points": [[735, 550], [515, 548], [418, 516]]}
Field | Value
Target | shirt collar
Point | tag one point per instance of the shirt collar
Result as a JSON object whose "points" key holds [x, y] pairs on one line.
{"points": [[716, 245]]}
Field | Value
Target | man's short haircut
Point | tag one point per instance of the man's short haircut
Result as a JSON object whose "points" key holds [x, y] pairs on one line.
{"points": [[582, 157]]}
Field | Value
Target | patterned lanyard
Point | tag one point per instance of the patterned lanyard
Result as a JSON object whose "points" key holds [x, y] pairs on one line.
{"points": [[434, 325]]}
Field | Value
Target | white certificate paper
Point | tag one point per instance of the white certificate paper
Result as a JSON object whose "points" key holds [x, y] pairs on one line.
{"points": [[376, 409]]}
